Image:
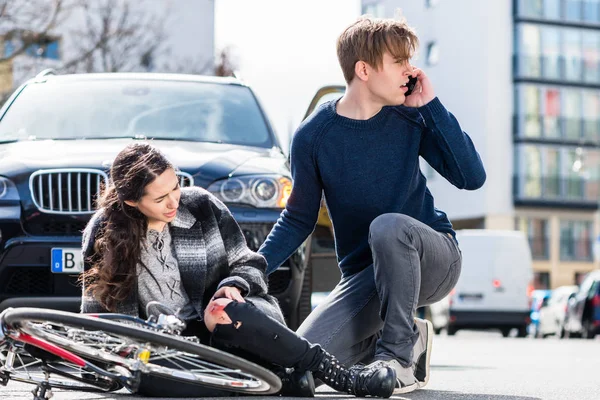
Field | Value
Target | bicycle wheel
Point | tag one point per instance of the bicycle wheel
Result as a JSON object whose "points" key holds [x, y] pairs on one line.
{"points": [[30, 365], [140, 349]]}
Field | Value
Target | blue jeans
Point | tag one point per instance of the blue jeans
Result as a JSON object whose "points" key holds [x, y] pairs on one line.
{"points": [[369, 315]]}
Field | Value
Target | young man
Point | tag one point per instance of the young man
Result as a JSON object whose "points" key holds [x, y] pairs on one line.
{"points": [[396, 251]]}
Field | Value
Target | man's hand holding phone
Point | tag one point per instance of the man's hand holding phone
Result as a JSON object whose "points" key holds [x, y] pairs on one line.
{"points": [[422, 92]]}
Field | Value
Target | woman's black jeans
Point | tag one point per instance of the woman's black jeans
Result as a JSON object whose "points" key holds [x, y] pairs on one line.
{"points": [[253, 336]]}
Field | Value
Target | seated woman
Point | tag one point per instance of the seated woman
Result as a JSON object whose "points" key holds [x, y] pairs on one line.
{"points": [[152, 241]]}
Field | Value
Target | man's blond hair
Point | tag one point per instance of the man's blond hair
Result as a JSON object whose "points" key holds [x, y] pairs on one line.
{"points": [[369, 38]]}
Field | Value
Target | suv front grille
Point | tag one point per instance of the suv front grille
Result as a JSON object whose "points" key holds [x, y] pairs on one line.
{"points": [[26, 281], [54, 228], [66, 191], [74, 190]]}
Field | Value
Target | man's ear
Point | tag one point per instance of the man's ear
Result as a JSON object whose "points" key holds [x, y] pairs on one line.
{"points": [[361, 70], [131, 203]]}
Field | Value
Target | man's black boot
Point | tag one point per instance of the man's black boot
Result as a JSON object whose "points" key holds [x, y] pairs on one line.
{"points": [[371, 380]]}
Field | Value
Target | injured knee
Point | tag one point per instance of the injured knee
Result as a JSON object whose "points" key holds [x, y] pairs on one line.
{"points": [[215, 314]]}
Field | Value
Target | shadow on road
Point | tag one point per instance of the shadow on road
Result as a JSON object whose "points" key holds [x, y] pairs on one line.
{"points": [[446, 395], [459, 367]]}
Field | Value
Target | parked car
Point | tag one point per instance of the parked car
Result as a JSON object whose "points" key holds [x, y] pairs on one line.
{"points": [[491, 292], [583, 309], [538, 299], [553, 310], [59, 135]]}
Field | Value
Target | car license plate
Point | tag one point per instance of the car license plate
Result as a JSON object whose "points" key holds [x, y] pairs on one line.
{"points": [[470, 296], [66, 260]]}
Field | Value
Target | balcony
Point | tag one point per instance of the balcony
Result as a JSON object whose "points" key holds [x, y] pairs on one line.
{"points": [[561, 130], [557, 69], [554, 191]]}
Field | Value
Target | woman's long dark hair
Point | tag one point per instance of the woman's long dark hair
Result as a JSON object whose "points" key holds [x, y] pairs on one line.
{"points": [[118, 244]]}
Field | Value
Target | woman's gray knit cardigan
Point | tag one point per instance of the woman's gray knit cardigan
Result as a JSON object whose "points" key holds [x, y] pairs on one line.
{"points": [[211, 253]]}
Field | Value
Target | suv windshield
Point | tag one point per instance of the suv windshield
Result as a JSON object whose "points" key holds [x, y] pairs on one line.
{"points": [[102, 109]]}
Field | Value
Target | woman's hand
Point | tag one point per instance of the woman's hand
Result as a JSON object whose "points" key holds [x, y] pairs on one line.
{"points": [[215, 313], [229, 292]]}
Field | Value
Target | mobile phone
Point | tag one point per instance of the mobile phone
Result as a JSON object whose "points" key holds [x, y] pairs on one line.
{"points": [[410, 85]]}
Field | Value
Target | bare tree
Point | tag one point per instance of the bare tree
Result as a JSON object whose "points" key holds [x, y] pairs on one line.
{"points": [[98, 36], [25, 23], [225, 65], [117, 35], [188, 65]]}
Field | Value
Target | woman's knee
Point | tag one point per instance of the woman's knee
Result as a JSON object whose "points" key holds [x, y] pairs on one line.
{"points": [[215, 313]]}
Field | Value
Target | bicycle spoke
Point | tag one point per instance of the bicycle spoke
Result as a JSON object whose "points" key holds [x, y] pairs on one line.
{"points": [[201, 367]]}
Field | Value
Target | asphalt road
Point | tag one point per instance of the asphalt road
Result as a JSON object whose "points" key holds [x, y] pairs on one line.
{"points": [[469, 366]]}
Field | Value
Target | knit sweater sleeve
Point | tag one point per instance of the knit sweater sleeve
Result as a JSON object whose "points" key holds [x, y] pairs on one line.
{"points": [[448, 149], [246, 268], [300, 216]]}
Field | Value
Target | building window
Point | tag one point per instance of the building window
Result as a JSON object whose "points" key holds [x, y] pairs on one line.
{"points": [[591, 57], [551, 113], [591, 11], [579, 277], [572, 114], [530, 51], [531, 103], [530, 8], [573, 10], [537, 231], [568, 10], [576, 239], [558, 54], [591, 115], [567, 114], [534, 175], [433, 53], [573, 54], [552, 9], [557, 173], [375, 9], [541, 280], [45, 48], [550, 42]]}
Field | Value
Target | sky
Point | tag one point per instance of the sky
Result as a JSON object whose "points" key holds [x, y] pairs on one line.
{"points": [[285, 50]]}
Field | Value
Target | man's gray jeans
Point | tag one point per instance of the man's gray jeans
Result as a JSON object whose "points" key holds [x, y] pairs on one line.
{"points": [[369, 315]]}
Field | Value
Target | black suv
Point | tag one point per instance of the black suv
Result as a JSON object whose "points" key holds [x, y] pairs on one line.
{"points": [[59, 135]]}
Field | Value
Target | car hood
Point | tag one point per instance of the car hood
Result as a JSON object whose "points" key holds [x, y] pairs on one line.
{"points": [[205, 161]]}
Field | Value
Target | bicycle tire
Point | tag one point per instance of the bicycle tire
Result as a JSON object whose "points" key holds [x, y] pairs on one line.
{"points": [[267, 381], [61, 374]]}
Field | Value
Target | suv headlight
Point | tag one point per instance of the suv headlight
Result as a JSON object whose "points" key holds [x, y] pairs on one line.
{"points": [[265, 191], [8, 190]]}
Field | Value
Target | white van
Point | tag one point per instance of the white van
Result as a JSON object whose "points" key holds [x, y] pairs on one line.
{"points": [[492, 291]]}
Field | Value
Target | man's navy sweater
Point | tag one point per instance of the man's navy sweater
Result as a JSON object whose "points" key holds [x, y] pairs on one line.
{"points": [[367, 168]]}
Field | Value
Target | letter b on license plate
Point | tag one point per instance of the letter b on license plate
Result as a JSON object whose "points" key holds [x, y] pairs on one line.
{"points": [[66, 261]]}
